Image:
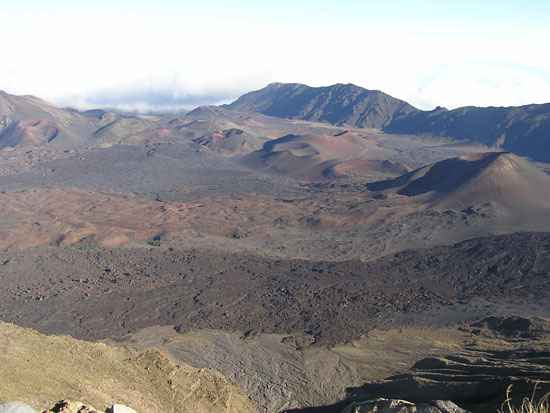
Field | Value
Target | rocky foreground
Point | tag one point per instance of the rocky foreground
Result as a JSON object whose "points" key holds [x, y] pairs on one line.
{"points": [[63, 406], [369, 406], [40, 370], [403, 406]]}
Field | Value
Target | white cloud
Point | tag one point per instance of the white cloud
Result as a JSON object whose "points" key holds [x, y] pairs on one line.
{"points": [[163, 62], [481, 84], [168, 92]]}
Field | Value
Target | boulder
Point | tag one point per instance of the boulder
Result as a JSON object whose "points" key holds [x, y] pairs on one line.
{"points": [[403, 406], [16, 407], [66, 406]]}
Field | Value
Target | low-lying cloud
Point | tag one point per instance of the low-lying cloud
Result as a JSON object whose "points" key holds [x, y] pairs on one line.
{"points": [[149, 101], [163, 93], [480, 83]]}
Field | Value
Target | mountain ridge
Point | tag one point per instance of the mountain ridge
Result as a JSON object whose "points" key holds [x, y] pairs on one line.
{"points": [[339, 105], [524, 130], [28, 120]]}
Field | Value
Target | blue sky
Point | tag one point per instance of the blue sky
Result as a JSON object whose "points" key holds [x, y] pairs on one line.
{"points": [[170, 55]]}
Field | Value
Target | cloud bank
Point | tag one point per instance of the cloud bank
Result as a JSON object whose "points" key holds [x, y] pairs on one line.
{"points": [[145, 100], [173, 56]]}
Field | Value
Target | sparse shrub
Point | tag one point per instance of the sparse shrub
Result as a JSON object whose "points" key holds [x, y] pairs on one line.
{"points": [[528, 405]]}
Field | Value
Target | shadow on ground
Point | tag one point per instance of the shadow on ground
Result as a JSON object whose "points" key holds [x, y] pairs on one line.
{"points": [[477, 384]]}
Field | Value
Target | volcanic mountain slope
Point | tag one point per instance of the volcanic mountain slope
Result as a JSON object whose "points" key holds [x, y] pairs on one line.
{"points": [[221, 118], [258, 124], [341, 105], [30, 121], [121, 130], [180, 129], [27, 120], [234, 141], [218, 129], [195, 128], [316, 157], [364, 167], [31, 131], [18, 107], [137, 129], [45, 369], [213, 113], [480, 179], [523, 130]]}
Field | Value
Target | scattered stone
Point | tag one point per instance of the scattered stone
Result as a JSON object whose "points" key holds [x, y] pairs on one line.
{"points": [[403, 406], [66, 406], [16, 407]]}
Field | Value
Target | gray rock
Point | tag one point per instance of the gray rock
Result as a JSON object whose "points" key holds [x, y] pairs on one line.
{"points": [[119, 408], [16, 407], [403, 406], [448, 406], [67, 406]]}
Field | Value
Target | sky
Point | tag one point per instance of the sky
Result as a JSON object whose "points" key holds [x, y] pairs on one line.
{"points": [[168, 55]]}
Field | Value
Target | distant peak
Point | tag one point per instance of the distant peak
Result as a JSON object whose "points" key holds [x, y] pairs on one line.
{"points": [[281, 84], [349, 85], [342, 104]]}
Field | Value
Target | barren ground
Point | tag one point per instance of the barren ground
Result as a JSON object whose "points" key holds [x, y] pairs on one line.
{"points": [[302, 292]]}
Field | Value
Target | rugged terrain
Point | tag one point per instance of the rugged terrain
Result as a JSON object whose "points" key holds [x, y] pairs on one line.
{"points": [[522, 130], [108, 292], [311, 263], [341, 105], [473, 363], [97, 293]]}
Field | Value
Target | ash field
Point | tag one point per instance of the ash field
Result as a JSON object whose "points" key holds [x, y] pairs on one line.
{"points": [[314, 257]]}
